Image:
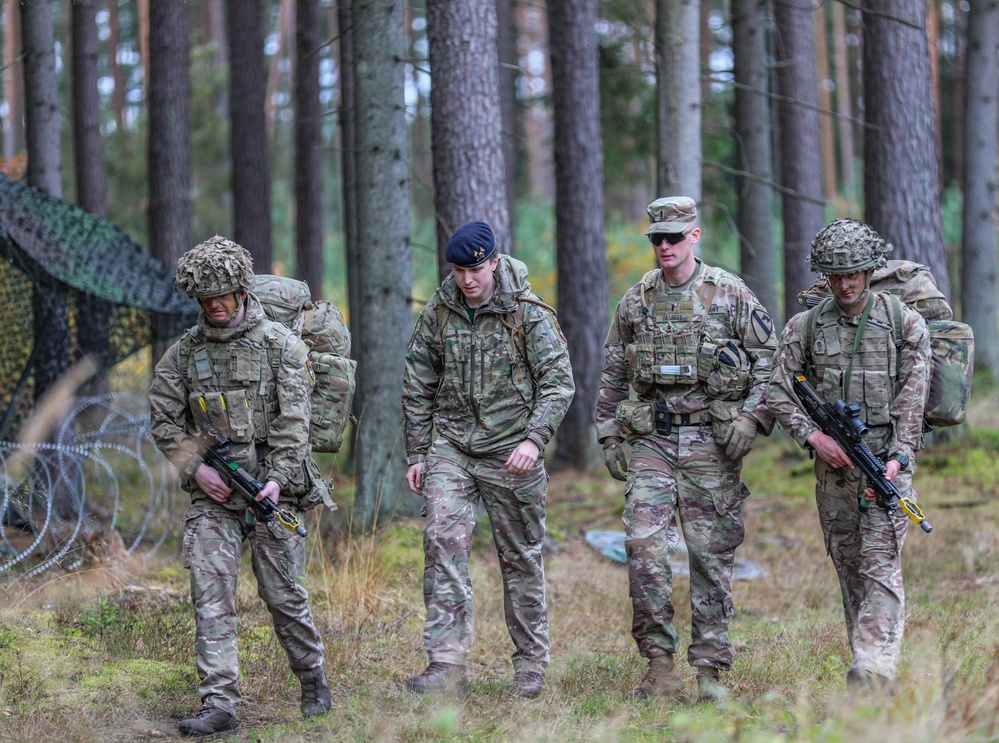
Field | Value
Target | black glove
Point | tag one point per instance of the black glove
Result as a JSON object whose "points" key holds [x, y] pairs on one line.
{"points": [[615, 459]]}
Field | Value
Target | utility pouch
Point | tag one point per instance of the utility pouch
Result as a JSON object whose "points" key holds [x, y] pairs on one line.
{"points": [[664, 419], [728, 378], [723, 412], [635, 417]]}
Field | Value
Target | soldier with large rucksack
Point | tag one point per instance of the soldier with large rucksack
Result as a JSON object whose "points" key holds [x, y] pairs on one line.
{"points": [[247, 379], [869, 350]]}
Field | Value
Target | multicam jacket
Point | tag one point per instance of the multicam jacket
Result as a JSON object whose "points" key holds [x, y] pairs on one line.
{"points": [[684, 325], [255, 387], [483, 387], [889, 385]]}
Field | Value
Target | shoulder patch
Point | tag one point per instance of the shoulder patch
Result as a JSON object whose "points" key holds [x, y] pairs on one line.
{"points": [[761, 327]]}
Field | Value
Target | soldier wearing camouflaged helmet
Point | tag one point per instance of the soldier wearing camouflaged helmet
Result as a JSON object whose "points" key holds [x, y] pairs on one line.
{"points": [[694, 344], [248, 377], [487, 371], [846, 348]]}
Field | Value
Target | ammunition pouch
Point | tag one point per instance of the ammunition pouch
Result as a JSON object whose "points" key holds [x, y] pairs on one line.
{"points": [[635, 417], [729, 370]]}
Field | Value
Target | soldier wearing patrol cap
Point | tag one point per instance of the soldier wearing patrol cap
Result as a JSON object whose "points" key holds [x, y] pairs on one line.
{"points": [[247, 376], [846, 347], [488, 370], [695, 345]]}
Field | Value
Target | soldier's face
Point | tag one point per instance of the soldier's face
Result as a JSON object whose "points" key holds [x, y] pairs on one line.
{"points": [[477, 283], [850, 289], [220, 309], [674, 256]]}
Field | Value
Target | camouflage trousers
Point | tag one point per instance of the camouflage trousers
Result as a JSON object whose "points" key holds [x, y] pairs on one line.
{"points": [[213, 537], [867, 554], [684, 476], [453, 483]]}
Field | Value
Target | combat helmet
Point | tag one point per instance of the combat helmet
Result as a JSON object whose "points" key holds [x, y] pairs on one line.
{"points": [[215, 267], [845, 246]]}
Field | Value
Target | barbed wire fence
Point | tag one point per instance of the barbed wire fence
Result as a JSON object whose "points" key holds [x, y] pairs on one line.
{"points": [[99, 479]]}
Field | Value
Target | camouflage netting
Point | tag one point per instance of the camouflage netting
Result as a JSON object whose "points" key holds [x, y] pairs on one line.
{"points": [[51, 246]]}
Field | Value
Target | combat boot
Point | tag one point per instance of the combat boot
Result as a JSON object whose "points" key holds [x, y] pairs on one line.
{"points": [[209, 720], [527, 684], [440, 678], [316, 698], [709, 687], [867, 683], [661, 680]]}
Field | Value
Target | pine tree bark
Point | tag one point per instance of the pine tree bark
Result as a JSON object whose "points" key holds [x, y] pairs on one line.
{"points": [[251, 179], [506, 47], [901, 157], [13, 133], [384, 311], [981, 189], [753, 153], [168, 101], [800, 161], [469, 164], [308, 147], [579, 218]]}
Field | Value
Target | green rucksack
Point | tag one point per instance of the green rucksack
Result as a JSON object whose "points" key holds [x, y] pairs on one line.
{"points": [[321, 326], [952, 343]]}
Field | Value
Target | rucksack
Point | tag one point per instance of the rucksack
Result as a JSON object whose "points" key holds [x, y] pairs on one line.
{"points": [[321, 326], [952, 343]]}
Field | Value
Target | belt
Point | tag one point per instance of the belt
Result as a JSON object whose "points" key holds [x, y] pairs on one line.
{"points": [[665, 420]]}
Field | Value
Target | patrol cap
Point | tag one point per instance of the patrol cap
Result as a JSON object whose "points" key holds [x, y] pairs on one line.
{"points": [[672, 214], [471, 244]]}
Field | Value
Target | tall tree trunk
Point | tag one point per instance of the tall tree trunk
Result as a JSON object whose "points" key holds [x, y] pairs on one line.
{"points": [[506, 47], [385, 273], [41, 108], [348, 181], [579, 217], [469, 166], [960, 88], [169, 103], [92, 313], [844, 105], [678, 98], [537, 120], [285, 12], [251, 180], [144, 33], [753, 152], [308, 147], [800, 134], [825, 104], [13, 130], [981, 189], [118, 95], [902, 176]]}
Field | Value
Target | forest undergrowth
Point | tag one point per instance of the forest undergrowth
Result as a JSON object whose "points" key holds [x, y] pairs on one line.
{"points": [[105, 653]]}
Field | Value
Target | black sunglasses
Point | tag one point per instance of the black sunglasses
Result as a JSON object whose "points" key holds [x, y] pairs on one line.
{"points": [[673, 238]]}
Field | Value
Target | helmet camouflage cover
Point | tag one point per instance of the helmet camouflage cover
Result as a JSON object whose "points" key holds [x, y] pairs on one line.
{"points": [[845, 246], [215, 267]]}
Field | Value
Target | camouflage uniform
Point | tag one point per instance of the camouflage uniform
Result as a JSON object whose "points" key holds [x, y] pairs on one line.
{"points": [[685, 473], [255, 385], [890, 387], [471, 381]]}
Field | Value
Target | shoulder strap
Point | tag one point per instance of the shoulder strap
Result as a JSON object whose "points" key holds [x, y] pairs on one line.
{"points": [[895, 311], [811, 320], [518, 327]]}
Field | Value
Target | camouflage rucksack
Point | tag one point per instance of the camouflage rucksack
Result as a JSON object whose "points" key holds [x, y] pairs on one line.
{"points": [[322, 327], [952, 343]]}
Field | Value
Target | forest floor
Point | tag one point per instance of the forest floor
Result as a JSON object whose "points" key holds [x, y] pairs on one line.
{"points": [[105, 653]]}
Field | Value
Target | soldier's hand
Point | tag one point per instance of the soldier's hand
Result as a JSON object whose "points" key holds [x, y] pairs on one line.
{"points": [[740, 436], [414, 478], [827, 448], [271, 490], [523, 457], [212, 484], [615, 459]]}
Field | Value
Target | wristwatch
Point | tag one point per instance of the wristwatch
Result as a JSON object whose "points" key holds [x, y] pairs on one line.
{"points": [[902, 459]]}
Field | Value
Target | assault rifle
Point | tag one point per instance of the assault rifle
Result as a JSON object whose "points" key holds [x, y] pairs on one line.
{"points": [[842, 423], [215, 449]]}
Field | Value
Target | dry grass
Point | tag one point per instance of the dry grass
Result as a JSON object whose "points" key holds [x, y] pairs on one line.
{"points": [[106, 655]]}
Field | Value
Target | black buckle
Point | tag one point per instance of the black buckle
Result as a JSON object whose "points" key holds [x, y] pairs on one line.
{"points": [[664, 423]]}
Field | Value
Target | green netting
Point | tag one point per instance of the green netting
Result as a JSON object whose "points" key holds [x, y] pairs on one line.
{"points": [[116, 297]]}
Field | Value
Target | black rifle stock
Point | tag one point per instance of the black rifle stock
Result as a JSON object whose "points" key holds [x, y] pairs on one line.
{"points": [[215, 450], [842, 423]]}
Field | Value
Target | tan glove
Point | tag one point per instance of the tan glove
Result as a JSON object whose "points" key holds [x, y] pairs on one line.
{"points": [[741, 434], [615, 459]]}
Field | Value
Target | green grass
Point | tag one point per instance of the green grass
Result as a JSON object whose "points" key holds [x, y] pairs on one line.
{"points": [[108, 654]]}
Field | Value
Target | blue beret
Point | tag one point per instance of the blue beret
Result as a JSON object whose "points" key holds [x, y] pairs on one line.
{"points": [[471, 244]]}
